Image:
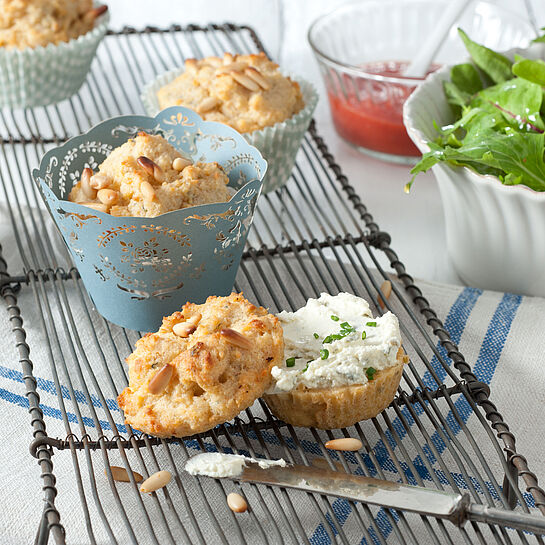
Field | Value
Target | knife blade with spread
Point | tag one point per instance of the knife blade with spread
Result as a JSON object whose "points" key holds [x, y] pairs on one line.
{"points": [[457, 508]]}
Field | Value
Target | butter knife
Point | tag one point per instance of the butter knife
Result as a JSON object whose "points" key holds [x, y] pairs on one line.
{"points": [[457, 508]]}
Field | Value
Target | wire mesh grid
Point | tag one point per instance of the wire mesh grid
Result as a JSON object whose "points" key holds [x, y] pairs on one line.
{"points": [[313, 235]]}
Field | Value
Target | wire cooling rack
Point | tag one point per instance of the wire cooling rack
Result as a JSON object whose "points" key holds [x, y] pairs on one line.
{"points": [[314, 235]]}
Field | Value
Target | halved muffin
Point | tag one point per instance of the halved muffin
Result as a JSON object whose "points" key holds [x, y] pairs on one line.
{"points": [[341, 364]]}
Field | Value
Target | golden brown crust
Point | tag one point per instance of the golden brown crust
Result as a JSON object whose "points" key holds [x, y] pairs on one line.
{"points": [[246, 92], [32, 23], [213, 380], [340, 407]]}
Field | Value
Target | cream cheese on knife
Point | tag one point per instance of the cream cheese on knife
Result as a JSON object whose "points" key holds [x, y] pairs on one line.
{"points": [[218, 465], [334, 341]]}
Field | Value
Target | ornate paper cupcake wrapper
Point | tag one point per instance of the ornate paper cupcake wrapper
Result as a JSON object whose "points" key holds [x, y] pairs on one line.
{"points": [[279, 144], [138, 270], [44, 75]]}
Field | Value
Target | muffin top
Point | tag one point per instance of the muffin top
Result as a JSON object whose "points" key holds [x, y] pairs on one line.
{"points": [[33, 23], [146, 177], [246, 92], [205, 364]]}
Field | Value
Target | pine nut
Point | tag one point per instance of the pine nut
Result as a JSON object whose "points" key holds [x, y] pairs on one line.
{"points": [[183, 329], [147, 191], [195, 319], [94, 13], [346, 443], [180, 163], [98, 11], [96, 206], [257, 76], [161, 379], [235, 338], [155, 481], [121, 475], [107, 196], [88, 191], [237, 66], [191, 64], [228, 58], [386, 290], [99, 181], [245, 81], [214, 61], [209, 103], [236, 503], [151, 167]]}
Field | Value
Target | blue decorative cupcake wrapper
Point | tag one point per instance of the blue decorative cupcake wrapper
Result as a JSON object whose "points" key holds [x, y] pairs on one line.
{"points": [[136, 269], [278, 144]]}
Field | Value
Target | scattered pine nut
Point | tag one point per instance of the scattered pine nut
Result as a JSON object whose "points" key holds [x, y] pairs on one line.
{"points": [[244, 80], [155, 482], [95, 13], [386, 290], [236, 503], [183, 329], [161, 379], [121, 475], [180, 163], [238, 66], [346, 443], [228, 58], [88, 191], [235, 338], [107, 196]]}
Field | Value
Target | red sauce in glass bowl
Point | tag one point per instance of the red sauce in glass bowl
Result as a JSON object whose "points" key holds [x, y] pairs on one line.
{"points": [[369, 113]]}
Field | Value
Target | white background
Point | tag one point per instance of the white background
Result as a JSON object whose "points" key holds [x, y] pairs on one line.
{"points": [[414, 221]]}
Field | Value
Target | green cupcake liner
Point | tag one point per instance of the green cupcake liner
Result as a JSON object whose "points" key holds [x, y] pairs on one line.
{"points": [[38, 76], [278, 144]]}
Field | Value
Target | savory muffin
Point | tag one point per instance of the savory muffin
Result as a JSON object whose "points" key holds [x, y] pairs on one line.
{"points": [[341, 365], [147, 177], [247, 92], [33, 23], [204, 365]]}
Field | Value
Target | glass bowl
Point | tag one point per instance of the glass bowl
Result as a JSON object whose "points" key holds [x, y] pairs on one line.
{"points": [[363, 47]]}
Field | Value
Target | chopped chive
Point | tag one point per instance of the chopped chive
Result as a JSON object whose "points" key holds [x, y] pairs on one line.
{"points": [[370, 372], [306, 366], [324, 353], [334, 318], [363, 335], [346, 325], [290, 362], [316, 335], [371, 324]]}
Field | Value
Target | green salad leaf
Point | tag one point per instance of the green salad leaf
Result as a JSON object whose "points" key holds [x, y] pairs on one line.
{"points": [[499, 128]]}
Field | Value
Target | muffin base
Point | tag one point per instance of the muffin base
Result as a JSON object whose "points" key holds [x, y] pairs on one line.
{"points": [[330, 408]]}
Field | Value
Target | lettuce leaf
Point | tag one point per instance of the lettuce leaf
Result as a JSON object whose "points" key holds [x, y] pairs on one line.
{"points": [[499, 127]]}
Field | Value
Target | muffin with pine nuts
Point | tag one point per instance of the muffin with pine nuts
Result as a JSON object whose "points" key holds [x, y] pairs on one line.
{"points": [[25, 23], [147, 177], [248, 93], [46, 48], [204, 366], [155, 211]]}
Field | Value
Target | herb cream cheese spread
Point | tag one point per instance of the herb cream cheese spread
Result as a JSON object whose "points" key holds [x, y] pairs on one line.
{"points": [[215, 464], [334, 341]]}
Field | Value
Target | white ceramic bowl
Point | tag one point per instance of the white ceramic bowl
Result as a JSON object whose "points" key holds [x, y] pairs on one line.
{"points": [[495, 233]]}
